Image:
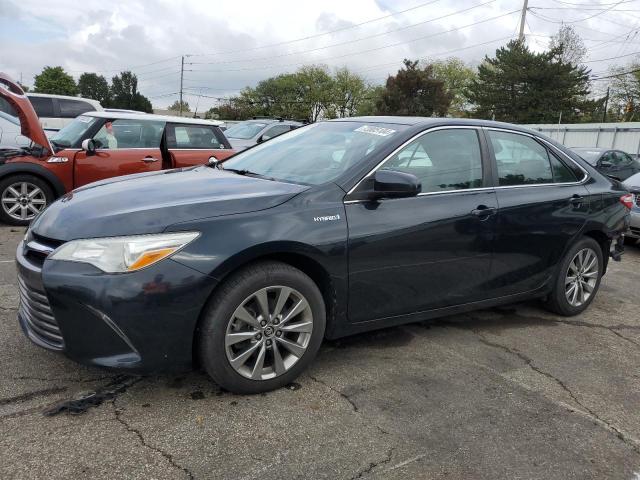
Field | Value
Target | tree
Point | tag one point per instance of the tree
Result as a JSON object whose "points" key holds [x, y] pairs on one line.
{"points": [[521, 86], [91, 85], [124, 93], [56, 81], [349, 93], [175, 106], [414, 91], [457, 78], [569, 44], [625, 92]]}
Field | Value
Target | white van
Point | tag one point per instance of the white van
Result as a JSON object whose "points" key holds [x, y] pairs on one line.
{"points": [[54, 111]]}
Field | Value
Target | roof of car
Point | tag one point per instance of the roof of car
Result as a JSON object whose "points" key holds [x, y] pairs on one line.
{"points": [[426, 121], [273, 120], [590, 149], [150, 116], [68, 97]]}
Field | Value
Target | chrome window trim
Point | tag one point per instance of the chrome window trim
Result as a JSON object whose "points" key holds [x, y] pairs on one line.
{"points": [[553, 149], [424, 194], [415, 137]]}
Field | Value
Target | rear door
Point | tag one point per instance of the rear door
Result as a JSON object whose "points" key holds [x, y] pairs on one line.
{"points": [[542, 206], [430, 251], [626, 165], [124, 146], [193, 144]]}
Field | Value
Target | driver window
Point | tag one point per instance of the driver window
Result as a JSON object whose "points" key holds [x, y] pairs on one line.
{"points": [[127, 133], [442, 160]]}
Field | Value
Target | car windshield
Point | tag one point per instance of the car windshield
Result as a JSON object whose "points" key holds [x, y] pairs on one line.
{"points": [[244, 130], [317, 153], [590, 156], [69, 135]]}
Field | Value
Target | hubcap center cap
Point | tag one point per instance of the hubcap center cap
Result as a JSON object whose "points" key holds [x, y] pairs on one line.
{"points": [[269, 331]]}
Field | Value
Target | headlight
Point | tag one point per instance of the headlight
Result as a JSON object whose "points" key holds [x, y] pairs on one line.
{"points": [[123, 254]]}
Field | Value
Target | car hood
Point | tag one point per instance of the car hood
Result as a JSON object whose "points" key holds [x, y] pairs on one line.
{"points": [[29, 123], [150, 202]]}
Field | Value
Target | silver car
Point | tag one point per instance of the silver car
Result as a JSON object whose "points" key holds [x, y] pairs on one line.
{"points": [[633, 184], [251, 132]]}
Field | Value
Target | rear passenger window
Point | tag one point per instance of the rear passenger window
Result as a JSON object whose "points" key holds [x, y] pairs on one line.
{"points": [[442, 160], [561, 173], [42, 105], [73, 108], [520, 159], [194, 136]]}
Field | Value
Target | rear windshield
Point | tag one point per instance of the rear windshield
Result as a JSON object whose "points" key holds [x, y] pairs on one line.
{"points": [[317, 153], [244, 130]]}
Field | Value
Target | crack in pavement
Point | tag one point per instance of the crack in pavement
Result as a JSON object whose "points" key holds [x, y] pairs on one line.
{"points": [[31, 395], [118, 416], [369, 468], [626, 439], [342, 394], [63, 379]]}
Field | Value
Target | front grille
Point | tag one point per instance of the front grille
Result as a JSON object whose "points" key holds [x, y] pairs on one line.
{"points": [[36, 312], [637, 199], [635, 230], [39, 248]]}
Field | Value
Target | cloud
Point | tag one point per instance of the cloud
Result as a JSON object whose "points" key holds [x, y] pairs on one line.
{"points": [[227, 38]]}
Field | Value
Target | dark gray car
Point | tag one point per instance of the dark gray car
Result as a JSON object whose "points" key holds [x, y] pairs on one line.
{"points": [[251, 132], [614, 163]]}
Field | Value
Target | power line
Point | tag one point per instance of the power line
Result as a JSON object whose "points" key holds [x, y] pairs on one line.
{"points": [[226, 62], [594, 4], [612, 58], [309, 37], [360, 51], [579, 20], [621, 74]]}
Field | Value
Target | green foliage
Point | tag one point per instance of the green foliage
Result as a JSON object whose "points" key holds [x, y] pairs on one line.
{"points": [[124, 94], [175, 106], [457, 78], [94, 86], [414, 91], [56, 81], [521, 86]]}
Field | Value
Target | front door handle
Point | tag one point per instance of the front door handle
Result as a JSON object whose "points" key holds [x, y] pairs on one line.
{"points": [[149, 159], [483, 212], [576, 200]]}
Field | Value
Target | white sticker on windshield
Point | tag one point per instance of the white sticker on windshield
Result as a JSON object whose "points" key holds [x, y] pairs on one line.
{"points": [[383, 132]]}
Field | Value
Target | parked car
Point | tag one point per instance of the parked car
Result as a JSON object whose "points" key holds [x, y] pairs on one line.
{"points": [[614, 163], [336, 228], [251, 132], [95, 146], [54, 111], [633, 184]]}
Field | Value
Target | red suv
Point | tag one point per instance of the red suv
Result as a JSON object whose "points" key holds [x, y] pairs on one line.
{"points": [[94, 146]]}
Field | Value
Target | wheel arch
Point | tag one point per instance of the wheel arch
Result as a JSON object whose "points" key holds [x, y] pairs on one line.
{"points": [[603, 240], [22, 168]]}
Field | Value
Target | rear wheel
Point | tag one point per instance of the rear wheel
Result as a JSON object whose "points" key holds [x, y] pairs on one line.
{"points": [[22, 197], [262, 328], [578, 279]]}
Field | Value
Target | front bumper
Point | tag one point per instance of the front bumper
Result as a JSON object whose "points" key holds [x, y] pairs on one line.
{"points": [[140, 321], [634, 224]]}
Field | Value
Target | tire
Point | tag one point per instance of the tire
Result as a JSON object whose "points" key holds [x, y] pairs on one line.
{"points": [[560, 299], [231, 327], [22, 197]]}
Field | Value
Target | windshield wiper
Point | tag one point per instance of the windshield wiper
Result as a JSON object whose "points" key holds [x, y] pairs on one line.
{"points": [[247, 173]]}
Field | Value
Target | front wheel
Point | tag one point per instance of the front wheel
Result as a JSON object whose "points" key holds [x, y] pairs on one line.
{"points": [[578, 278], [262, 328], [22, 197]]}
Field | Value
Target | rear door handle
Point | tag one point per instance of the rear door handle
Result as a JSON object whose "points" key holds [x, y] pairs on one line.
{"points": [[149, 159], [483, 211]]}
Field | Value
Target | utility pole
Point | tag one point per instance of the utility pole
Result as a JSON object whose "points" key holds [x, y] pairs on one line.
{"points": [[523, 18], [606, 104], [181, 79]]}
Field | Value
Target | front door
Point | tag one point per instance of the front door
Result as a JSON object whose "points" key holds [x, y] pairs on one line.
{"points": [[434, 250], [543, 206], [193, 144], [123, 147]]}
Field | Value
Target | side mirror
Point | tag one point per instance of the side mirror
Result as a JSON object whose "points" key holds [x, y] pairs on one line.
{"points": [[213, 162], [89, 146], [606, 164], [393, 184]]}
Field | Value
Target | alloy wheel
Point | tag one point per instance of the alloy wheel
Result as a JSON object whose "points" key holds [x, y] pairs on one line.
{"points": [[23, 200], [581, 278], [268, 332]]}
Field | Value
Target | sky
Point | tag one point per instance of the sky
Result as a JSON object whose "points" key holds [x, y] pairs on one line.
{"points": [[231, 44]]}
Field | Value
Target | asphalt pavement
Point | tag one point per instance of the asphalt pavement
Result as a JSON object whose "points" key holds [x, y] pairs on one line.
{"points": [[514, 393]]}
